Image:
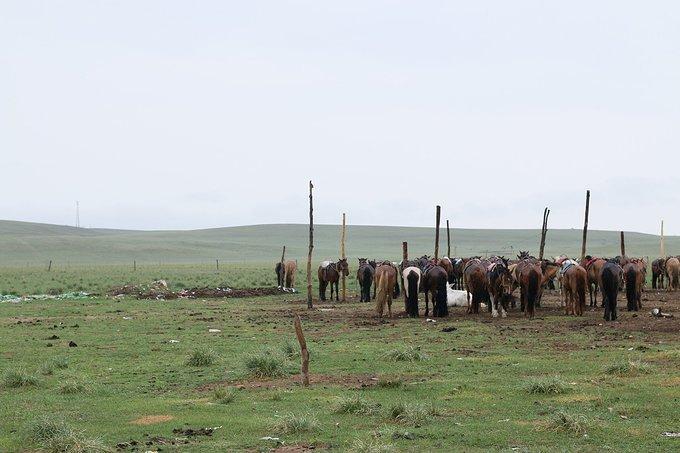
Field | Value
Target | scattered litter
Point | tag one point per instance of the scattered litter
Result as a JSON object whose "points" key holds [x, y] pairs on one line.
{"points": [[657, 313], [275, 439], [504, 420], [214, 330], [75, 295], [127, 317], [624, 417], [670, 434], [431, 320], [173, 341], [326, 309]]}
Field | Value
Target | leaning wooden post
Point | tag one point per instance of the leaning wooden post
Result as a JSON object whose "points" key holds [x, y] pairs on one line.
{"points": [[623, 245], [436, 234], [544, 232], [49, 266], [283, 255], [404, 251], [342, 255], [311, 247], [217, 264], [134, 265], [585, 226], [448, 239], [283, 267], [663, 248], [304, 353]]}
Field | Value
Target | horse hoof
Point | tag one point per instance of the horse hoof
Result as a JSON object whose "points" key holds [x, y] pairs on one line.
{"points": [[504, 315], [494, 314]]}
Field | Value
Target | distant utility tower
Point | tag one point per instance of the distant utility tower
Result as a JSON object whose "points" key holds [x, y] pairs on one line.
{"points": [[77, 214]]}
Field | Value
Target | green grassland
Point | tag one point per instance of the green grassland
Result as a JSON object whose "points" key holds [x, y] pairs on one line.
{"points": [[552, 384], [30, 244]]}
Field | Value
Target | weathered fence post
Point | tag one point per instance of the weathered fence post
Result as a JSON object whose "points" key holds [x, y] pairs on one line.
{"points": [[623, 245], [304, 353], [585, 226], [544, 233], [436, 234], [663, 248], [404, 251], [448, 239], [311, 247], [342, 255], [134, 265], [49, 266], [217, 264]]}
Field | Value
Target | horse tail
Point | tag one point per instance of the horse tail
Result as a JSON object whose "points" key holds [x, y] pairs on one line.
{"points": [[381, 296], [675, 271], [411, 290], [631, 283], [366, 282], [533, 287], [581, 291], [442, 308]]}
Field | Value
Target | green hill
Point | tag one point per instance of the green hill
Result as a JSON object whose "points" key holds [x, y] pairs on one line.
{"points": [[34, 243]]}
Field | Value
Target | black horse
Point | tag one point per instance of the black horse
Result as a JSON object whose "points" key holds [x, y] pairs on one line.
{"points": [[610, 279], [365, 278]]}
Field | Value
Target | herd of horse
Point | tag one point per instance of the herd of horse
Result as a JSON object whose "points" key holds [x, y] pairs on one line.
{"points": [[493, 281]]}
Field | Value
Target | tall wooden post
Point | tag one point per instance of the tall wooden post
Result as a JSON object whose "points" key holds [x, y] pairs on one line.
{"points": [[663, 248], [283, 255], [342, 254], [304, 352], [311, 247], [436, 234], [448, 239], [404, 251], [217, 264], [49, 266], [623, 245], [585, 226], [544, 233], [134, 265]]}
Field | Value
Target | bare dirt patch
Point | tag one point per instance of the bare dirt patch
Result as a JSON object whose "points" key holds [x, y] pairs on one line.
{"points": [[356, 381], [152, 419]]}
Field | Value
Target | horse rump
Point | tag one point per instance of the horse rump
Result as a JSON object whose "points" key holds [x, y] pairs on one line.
{"points": [[533, 288], [366, 281], [610, 288], [412, 280], [441, 308], [631, 288]]}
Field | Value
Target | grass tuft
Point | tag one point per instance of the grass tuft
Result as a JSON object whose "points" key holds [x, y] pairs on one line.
{"points": [[292, 424], [552, 385], [71, 387], [224, 396], [265, 364], [55, 363], [371, 446], [571, 423], [413, 414], [390, 383], [56, 436], [407, 354], [201, 358], [629, 368], [18, 378], [355, 404], [393, 433]]}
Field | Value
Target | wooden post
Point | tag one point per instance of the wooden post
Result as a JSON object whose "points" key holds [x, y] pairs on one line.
{"points": [[623, 245], [304, 353], [585, 226], [342, 255], [134, 265], [663, 248], [49, 266], [436, 234], [283, 255], [311, 247], [217, 264], [544, 233], [448, 239], [404, 251]]}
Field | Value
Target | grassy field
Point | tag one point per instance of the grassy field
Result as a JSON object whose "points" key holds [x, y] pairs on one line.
{"points": [[142, 369], [31, 244]]}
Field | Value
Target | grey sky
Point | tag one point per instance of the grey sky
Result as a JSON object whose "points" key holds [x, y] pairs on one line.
{"points": [[168, 114]]}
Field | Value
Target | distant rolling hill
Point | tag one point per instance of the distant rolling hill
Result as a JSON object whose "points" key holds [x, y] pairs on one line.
{"points": [[35, 243]]}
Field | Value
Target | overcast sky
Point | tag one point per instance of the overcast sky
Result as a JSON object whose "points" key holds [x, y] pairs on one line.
{"points": [[182, 114]]}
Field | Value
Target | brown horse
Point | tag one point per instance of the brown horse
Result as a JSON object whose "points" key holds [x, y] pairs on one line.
{"points": [[573, 282], [673, 273], [476, 284], [634, 277], [530, 279], [433, 282], [447, 264], [658, 272], [285, 274], [330, 272], [497, 280], [549, 270], [593, 267], [365, 277], [385, 281]]}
